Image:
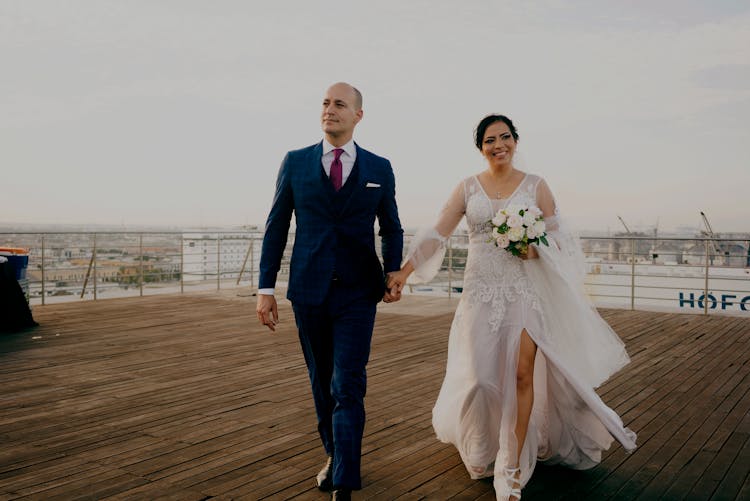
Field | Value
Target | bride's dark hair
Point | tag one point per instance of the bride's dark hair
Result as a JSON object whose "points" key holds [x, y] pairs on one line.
{"points": [[489, 120]]}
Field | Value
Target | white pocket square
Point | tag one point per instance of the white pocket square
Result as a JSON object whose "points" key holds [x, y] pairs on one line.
{"points": [[372, 185]]}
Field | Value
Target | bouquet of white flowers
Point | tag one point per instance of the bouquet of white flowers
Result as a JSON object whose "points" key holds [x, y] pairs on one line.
{"points": [[515, 227]]}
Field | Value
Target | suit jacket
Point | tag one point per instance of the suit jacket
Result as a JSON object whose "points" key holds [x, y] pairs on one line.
{"points": [[333, 235]]}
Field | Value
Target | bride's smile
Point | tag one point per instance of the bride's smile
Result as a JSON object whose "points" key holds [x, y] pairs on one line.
{"points": [[499, 145]]}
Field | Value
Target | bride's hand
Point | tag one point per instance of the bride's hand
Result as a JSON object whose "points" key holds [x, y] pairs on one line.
{"points": [[396, 280], [531, 253]]}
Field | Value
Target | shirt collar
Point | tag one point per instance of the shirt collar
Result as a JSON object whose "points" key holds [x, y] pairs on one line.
{"points": [[349, 148]]}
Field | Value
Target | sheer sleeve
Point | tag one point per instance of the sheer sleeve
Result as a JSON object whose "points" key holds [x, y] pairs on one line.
{"points": [[563, 241], [546, 202], [427, 248]]}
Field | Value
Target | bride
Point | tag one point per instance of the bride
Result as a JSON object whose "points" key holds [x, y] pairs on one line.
{"points": [[526, 348]]}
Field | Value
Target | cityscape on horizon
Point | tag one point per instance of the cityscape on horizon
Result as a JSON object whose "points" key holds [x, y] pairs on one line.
{"points": [[686, 230], [65, 264]]}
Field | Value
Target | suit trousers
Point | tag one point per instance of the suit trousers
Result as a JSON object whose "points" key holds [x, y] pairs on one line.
{"points": [[335, 338]]}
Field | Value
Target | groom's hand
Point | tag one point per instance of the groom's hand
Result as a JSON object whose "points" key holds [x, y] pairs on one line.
{"points": [[393, 288], [391, 296], [267, 311]]}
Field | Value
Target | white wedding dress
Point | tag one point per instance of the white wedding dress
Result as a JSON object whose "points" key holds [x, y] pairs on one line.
{"points": [[502, 295]]}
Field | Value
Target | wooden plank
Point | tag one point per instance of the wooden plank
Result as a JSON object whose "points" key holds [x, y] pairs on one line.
{"points": [[676, 410], [186, 397]]}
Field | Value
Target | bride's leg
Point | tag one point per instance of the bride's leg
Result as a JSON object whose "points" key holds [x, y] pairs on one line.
{"points": [[524, 390]]}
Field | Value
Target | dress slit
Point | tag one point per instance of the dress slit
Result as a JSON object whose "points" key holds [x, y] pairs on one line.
{"points": [[508, 450]]}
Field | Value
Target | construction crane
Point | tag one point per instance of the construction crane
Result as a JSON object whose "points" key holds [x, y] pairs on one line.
{"points": [[710, 234], [632, 242], [626, 226]]}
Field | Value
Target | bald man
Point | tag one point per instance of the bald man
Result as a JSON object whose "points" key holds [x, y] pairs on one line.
{"points": [[335, 190]]}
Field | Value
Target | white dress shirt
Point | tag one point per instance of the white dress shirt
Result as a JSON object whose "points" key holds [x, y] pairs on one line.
{"points": [[348, 157]]}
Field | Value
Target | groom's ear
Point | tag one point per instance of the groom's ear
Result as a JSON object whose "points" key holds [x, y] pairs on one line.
{"points": [[359, 114]]}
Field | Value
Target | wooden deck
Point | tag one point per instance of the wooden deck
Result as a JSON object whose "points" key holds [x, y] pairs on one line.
{"points": [[186, 397]]}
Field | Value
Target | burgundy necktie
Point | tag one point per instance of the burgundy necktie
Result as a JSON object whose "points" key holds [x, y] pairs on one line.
{"points": [[336, 168]]}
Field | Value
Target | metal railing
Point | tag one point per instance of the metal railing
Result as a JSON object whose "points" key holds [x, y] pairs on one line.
{"points": [[89, 265], [681, 274], [707, 275]]}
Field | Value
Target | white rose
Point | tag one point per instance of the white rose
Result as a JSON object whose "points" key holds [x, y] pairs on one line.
{"points": [[539, 227], [515, 221], [514, 209], [531, 233], [529, 219], [515, 234], [535, 211], [502, 240], [499, 218]]}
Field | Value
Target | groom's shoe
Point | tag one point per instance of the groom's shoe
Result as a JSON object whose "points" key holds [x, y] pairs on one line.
{"points": [[324, 480], [341, 494]]}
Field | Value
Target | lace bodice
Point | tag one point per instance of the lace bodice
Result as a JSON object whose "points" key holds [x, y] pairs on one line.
{"points": [[480, 208], [492, 275]]}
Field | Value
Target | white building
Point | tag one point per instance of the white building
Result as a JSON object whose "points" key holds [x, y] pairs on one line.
{"points": [[207, 252]]}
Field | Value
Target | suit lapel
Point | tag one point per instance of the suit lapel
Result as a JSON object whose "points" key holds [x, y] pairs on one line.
{"points": [[319, 173]]}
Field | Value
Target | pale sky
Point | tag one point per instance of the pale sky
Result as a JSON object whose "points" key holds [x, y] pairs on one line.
{"points": [[179, 112]]}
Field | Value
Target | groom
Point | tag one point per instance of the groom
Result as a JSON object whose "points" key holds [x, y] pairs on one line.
{"points": [[336, 190]]}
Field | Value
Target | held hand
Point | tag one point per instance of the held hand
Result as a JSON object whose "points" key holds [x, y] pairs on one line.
{"points": [[267, 310], [391, 296], [393, 286], [397, 279], [392, 292], [531, 253]]}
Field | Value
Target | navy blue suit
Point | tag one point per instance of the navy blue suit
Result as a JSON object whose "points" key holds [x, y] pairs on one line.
{"points": [[335, 282]]}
